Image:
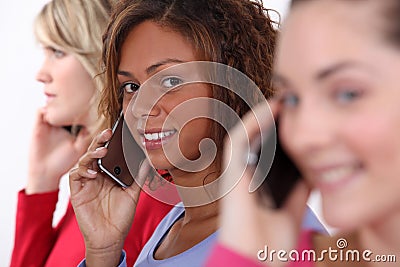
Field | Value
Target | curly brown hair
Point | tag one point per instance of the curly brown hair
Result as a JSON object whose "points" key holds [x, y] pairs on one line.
{"points": [[237, 33]]}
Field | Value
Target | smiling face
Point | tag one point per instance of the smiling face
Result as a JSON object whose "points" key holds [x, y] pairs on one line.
{"points": [[147, 50], [68, 87], [340, 119]]}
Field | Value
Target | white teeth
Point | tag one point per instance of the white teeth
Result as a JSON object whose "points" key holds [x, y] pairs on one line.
{"points": [[157, 136], [168, 133], [337, 174]]}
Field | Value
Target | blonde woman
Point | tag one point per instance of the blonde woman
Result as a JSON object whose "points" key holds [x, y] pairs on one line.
{"points": [[70, 32]]}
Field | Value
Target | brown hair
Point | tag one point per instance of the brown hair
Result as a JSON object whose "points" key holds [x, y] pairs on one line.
{"points": [[237, 33]]}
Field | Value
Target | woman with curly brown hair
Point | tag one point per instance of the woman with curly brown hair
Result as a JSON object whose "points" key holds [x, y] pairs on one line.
{"points": [[182, 72]]}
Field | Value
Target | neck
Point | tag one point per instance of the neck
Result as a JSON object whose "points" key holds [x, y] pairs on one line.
{"points": [[197, 188], [198, 191], [382, 237], [201, 213], [89, 119]]}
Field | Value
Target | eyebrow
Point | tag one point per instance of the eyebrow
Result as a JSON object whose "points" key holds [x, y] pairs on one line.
{"points": [[152, 68], [321, 75], [125, 73], [331, 70]]}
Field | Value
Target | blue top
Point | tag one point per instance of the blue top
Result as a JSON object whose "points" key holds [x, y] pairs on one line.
{"points": [[196, 255]]}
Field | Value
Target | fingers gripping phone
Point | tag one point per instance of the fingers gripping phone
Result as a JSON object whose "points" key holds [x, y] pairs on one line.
{"points": [[282, 175], [124, 155]]}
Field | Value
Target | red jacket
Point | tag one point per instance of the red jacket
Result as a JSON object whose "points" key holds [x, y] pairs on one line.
{"points": [[37, 243]]}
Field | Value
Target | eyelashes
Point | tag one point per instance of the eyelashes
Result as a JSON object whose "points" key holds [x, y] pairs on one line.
{"points": [[128, 87], [347, 94], [171, 82], [167, 83]]}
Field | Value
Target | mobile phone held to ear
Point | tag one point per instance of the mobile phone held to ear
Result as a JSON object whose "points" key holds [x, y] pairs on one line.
{"points": [[283, 174], [124, 155]]}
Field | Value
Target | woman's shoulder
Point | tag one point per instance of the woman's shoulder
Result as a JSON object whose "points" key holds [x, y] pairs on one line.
{"points": [[172, 216], [176, 212]]}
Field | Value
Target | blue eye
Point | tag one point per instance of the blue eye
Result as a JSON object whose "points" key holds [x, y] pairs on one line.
{"points": [[347, 95], [58, 53], [290, 100], [171, 82], [129, 88]]}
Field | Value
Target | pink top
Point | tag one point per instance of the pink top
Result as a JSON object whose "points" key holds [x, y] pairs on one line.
{"points": [[224, 256]]}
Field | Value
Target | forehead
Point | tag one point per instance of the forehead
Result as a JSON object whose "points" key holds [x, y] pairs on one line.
{"points": [[149, 42], [324, 30]]}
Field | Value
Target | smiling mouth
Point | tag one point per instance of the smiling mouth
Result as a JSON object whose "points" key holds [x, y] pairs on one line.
{"points": [[158, 135], [155, 140], [336, 177]]}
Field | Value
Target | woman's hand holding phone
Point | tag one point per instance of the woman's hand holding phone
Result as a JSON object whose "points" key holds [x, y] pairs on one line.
{"points": [[260, 222], [53, 152], [103, 209]]}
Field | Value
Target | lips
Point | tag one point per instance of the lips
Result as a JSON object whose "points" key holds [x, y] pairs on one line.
{"points": [[158, 135], [335, 177], [155, 139], [49, 96]]}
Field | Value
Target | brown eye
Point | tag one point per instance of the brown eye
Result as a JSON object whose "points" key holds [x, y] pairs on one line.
{"points": [[129, 87]]}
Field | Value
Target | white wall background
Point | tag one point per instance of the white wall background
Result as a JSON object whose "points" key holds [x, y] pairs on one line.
{"points": [[21, 95]]}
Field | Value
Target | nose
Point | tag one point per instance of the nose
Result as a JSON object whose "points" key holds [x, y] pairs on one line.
{"points": [[147, 103], [307, 131], [43, 75]]}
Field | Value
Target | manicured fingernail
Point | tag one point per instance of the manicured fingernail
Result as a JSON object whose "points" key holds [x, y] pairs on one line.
{"points": [[91, 171], [99, 148], [104, 131]]}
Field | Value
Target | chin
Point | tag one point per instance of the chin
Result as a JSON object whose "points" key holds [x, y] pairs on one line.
{"points": [[56, 121], [344, 224], [52, 120], [160, 162], [346, 218]]}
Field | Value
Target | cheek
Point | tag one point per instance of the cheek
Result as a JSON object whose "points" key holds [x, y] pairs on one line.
{"points": [[192, 134], [285, 136], [196, 130], [70, 67], [374, 139], [78, 92], [125, 107]]}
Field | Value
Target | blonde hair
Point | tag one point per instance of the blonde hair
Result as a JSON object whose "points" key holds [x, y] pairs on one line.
{"points": [[77, 26]]}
